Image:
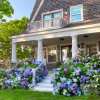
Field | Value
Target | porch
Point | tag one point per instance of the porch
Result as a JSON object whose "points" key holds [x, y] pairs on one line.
{"points": [[58, 45]]}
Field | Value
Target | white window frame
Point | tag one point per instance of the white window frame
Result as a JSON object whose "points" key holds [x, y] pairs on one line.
{"points": [[47, 54], [50, 12], [82, 15]]}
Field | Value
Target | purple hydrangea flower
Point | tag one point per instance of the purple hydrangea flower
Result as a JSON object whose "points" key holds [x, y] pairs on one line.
{"points": [[63, 86], [84, 79], [77, 71], [28, 72], [24, 83], [98, 70]]}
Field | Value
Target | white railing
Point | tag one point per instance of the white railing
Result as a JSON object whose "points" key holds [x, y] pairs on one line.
{"points": [[47, 24]]}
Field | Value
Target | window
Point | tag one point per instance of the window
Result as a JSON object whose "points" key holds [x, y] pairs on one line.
{"points": [[47, 20], [52, 18], [47, 17], [53, 15], [52, 54], [76, 13], [57, 15]]}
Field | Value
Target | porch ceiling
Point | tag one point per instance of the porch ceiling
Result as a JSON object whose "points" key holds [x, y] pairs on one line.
{"points": [[83, 29]]}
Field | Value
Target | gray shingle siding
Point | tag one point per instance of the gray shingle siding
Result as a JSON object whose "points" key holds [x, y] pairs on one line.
{"points": [[35, 8], [91, 7]]}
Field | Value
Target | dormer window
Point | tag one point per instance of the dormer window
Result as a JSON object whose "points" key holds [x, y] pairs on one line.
{"points": [[52, 18], [76, 13]]}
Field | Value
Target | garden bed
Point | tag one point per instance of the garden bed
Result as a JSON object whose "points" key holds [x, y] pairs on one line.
{"points": [[79, 76], [25, 76]]}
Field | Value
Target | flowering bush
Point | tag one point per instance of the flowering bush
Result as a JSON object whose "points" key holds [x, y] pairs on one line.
{"points": [[78, 76], [2, 75], [23, 77]]}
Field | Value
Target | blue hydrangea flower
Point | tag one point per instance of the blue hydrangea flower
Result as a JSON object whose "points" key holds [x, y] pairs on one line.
{"points": [[28, 72]]}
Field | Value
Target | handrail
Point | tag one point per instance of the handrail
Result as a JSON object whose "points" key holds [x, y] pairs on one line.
{"points": [[46, 24]]}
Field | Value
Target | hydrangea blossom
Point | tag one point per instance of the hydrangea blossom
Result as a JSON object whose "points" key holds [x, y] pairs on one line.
{"points": [[76, 78]]}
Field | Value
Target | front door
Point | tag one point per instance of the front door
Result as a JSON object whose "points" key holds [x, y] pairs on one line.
{"points": [[65, 52], [52, 54]]}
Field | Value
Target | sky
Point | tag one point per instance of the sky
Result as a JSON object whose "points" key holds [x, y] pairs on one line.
{"points": [[22, 8]]}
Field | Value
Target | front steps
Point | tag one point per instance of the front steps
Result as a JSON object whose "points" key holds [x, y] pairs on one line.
{"points": [[45, 86]]}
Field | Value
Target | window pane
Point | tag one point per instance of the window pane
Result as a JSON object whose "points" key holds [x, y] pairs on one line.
{"points": [[76, 18], [75, 10], [48, 17], [57, 15], [47, 21], [76, 13]]}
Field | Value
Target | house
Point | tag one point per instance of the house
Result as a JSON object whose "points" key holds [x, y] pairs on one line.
{"points": [[59, 28]]}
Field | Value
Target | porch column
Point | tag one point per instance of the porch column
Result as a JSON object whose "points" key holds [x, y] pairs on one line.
{"points": [[74, 46], [40, 51], [14, 60]]}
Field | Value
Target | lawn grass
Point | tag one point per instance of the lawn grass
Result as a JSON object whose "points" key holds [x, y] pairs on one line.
{"points": [[30, 95]]}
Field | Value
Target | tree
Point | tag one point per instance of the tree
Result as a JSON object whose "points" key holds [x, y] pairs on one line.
{"points": [[5, 9], [7, 30]]}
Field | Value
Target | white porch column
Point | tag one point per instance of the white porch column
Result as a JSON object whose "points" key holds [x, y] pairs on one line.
{"points": [[74, 46], [14, 60], [40, 51]]}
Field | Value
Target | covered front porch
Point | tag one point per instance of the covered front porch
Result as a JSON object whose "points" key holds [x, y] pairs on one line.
{"points": [[54, 46]]}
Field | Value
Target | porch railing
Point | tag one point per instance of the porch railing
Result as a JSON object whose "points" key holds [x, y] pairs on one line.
{"points": [[47, 24]]}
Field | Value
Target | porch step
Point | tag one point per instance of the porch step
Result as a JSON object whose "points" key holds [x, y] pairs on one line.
{"points": [[45, 86], [43, 89]]}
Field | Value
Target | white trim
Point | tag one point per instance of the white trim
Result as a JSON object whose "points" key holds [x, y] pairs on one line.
{"points": [[78, 30], [13, 57], [50, 12], [82, 27], [82, 15], [37, 11]]}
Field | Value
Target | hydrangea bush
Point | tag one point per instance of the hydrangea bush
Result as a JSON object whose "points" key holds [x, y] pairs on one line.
{"points": [[79, 76], [24, 76], [2, 75]]}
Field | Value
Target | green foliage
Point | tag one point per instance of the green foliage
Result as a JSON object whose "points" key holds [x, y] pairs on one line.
{"points": [[2, 73], [14, 27], [7, 30], [25, 64], [23, 54], [5, 9]]}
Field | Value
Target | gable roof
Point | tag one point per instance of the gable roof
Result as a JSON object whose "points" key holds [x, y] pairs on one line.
{"points": [[37, 6], [49, 5]]}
